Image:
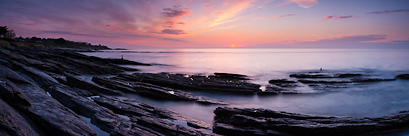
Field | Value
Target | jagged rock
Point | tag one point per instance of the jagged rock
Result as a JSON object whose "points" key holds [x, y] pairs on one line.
{"points": [[402, 76], [49, 113], [9, 91], [127, 129], [348, 75], [100, 116], [274, 81], [370, 79], [63, 61], [114, 84], [41, 78], [168, 128], [12, 123], [151, 90], [231, 76], [96, 89], [132, 107], [194, 82], [253, 121], [283, 83], [168, 93]]}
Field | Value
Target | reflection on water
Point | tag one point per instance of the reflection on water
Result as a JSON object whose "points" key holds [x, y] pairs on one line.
{"points": [[358, 100], [368, 100]]}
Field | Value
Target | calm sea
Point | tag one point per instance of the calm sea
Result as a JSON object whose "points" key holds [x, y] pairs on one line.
{"points": [[261, 65]]}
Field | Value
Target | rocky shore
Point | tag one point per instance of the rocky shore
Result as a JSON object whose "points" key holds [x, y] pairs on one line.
{"points": [[42, 94], [234, 121]]}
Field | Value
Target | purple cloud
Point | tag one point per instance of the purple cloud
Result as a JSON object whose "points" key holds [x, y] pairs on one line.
{"points": [[172, 31], [338, 17], [389, 11], [174, 12]]}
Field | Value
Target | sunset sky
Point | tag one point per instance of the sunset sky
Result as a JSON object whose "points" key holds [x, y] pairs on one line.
{"points": [[214, 23]]}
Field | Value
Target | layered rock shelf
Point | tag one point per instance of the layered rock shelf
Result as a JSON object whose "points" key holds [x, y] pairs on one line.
{"points": [[41, 95], [234, 121]]}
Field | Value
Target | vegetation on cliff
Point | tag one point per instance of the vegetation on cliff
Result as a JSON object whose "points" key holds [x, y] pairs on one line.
{"points": [[8, 37]]}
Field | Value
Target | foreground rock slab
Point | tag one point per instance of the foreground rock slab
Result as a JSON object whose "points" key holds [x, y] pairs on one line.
{"points": [[230, 121], [126, 83], [45, 111]]}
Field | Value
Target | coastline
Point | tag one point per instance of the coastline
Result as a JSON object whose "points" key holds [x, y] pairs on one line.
{"points": [[37, 79]]}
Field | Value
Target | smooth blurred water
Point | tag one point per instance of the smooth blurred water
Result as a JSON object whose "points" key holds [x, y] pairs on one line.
{"points": [[261, 65]]}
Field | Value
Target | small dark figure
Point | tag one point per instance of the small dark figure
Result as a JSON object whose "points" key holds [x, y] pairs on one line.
{"points": [[122, 56], [320, 69]]}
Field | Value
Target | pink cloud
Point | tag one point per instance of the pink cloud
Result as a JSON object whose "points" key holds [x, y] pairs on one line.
{"points": [[288, 15]]}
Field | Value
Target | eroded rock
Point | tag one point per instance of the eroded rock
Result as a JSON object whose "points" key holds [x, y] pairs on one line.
{"points": [[260, 121]]}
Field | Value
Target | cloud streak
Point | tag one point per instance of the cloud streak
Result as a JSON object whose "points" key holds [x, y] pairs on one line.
{"points": [[172, 31], [390, 11], [338, 17], [300, 3], [288, 15]]}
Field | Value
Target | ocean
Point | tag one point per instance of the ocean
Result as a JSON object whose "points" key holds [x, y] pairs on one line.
{"points": [[261, 65]]}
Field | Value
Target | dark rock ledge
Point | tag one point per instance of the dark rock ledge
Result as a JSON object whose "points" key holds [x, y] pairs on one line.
{"points": [[41, 96], [225, 83], [234, 121]]}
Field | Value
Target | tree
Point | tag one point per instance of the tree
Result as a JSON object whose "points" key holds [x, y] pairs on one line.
{"points": [[6, 32]]}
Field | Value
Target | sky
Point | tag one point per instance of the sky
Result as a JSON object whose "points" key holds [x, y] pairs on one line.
{"points": [[214, 23]]}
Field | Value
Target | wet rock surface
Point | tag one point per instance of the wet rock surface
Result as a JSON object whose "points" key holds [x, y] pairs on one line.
{"points": [[123, 83], [12, 123], [41, 96], [197, 82], [231, 121], [45, 111]]}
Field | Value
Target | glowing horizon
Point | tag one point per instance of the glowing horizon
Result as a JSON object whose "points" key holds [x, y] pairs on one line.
{"points": [[214, 23]]}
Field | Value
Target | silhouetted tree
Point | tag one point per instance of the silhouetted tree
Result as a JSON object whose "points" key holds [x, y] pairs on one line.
{"points": [[3, 30], [6, 32]]}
